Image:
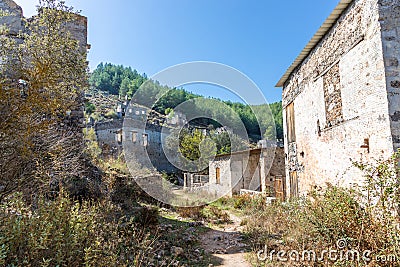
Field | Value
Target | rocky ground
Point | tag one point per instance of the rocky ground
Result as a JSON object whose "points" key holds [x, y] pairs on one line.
{"points": [[226, 244]]}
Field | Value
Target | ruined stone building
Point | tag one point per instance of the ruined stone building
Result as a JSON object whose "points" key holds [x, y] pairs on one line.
{"points": [[261, 170], [76, 173], [341, 96], [136, 135]]}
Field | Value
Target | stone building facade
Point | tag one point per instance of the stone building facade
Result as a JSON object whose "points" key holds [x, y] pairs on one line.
{"points": [[142, 140], [341, 96], [261, 170]]}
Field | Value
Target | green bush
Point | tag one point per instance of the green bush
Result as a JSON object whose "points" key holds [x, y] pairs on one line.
{"points": [[90, 108], [242, 201], [111, 114]]}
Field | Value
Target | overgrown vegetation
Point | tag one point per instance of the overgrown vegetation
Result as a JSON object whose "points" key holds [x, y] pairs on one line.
{"points": [[66, 233], [335, 219], [56, 207], [208, 213]]}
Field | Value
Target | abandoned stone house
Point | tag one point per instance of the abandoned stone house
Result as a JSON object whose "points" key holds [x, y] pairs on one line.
{"points": [[261, 170], [140, 138], [341, 96]]}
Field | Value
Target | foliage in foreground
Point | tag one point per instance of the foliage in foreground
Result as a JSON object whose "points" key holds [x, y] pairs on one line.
{"points": [[65, 233], [335, 219], [41, 81]]}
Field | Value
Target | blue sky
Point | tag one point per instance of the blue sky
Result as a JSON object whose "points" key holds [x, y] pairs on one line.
{"points": [[259, 38]]}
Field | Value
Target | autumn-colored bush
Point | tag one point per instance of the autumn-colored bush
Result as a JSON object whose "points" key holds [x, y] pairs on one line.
{"points": [[191, 212]]}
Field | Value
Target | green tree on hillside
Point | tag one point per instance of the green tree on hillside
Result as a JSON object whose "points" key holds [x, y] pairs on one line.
{"points": [[125, 81]]}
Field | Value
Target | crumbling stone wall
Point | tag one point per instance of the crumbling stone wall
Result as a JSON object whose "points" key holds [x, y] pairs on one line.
{"points": [[13, 18], [14, 22], [272, 171], [83, 178], [340, 102]]}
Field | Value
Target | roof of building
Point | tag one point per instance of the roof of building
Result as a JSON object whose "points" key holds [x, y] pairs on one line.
{"points": [[323, 30]]}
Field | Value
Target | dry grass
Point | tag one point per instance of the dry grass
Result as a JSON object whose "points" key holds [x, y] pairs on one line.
{"points": [[205, 213], [317, 223]]}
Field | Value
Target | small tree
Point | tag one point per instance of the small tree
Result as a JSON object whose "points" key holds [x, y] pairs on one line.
{"points": [[42, 80], [194, 148]]}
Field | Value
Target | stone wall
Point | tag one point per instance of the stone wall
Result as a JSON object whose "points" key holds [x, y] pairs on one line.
{"points": [[78, 30], [250, 170], [14, 21], [389, 11], [145, 145], [224, 164], [340, 103], [333, 97], [349, 31], [273, 171], [13, 18]]}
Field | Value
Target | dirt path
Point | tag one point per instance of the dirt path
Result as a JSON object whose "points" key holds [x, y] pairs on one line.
{"points": [[226, 244]]}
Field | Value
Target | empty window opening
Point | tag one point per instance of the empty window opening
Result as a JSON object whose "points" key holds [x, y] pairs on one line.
{"points": [[218, 175], [291, 135], [134, 136], [145, 139]]}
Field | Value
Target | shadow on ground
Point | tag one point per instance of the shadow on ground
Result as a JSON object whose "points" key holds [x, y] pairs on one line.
{"points": [[197, 244]]}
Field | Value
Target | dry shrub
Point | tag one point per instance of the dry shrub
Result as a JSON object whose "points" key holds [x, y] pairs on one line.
{"points": [[205, 213], [191, 212], [364, 219], [64, 233], [215, 214], [147, 216]]}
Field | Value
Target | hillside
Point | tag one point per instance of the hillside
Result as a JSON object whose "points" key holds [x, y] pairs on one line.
{"points": [[125, 81]]}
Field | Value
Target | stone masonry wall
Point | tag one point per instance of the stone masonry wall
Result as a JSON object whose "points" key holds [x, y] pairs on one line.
{"points": [[251, 170], [333, 96], [146, 152], [13, 18], [223, 163], [349, 30], [389, 11], [346, 65], [276, 169]]}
